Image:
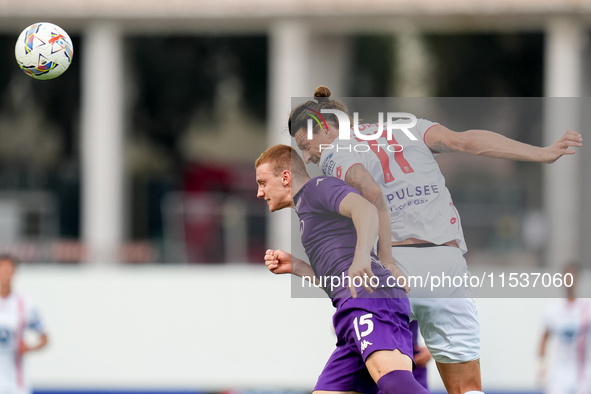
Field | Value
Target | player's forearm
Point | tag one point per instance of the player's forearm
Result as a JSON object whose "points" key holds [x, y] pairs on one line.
{"points": [[302, 269], [42, 343], [39, 345], [384, 233], [360, 179], [365, 218], [545, 337], [489, 144]]}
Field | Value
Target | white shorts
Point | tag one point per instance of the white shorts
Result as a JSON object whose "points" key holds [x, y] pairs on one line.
{"points": [[447, 316]]}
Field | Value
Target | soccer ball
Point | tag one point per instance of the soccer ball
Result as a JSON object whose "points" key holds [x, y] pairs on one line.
{"points": [[44, 50]]}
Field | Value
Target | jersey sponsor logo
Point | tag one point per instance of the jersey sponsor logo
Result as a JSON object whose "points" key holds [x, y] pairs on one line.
{"points": [[364, 344], [330, 168], [568, 335], [410, 192], [339, 172], [417, 201], [319, 180], [4, 336], [453, 220], [328, 165]]}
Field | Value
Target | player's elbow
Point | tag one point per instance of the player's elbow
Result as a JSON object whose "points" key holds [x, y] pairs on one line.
{"points": [[369, 212], [373, 193], [364, 209], [463, 142], [470, 142]]}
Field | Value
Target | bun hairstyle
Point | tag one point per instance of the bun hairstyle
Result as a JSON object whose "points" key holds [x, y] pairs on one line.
{"points": [[299, 115], [322, 93]]}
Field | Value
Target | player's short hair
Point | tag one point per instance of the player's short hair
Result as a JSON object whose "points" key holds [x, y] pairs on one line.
{"points": [[281, 158], [9, 257], [299, 115]]}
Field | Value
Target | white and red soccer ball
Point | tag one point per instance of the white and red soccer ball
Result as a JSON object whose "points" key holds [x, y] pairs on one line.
{"points": [[44, 50]]}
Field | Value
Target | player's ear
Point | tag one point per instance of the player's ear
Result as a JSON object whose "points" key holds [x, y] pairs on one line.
{"points": [[286, 177]]}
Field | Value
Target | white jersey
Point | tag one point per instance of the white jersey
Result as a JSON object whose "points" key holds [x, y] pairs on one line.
{"points": [[17, 314], [569, 324], [420, 205]]}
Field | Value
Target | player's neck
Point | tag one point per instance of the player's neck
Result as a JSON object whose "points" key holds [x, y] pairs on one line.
{"points": [[297, 183]]}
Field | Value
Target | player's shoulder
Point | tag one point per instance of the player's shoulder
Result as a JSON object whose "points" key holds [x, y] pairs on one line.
{"points": [[324, 181], [323, 186], [584, 304], [26, 300], [423, 120]]}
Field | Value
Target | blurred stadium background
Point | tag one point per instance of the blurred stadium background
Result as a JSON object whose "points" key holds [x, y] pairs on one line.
{"points": [[127, 184]]}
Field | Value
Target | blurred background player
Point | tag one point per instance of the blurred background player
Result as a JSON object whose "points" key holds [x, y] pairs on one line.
{"points": [[566, 369], [422, 237], [17, 314], [338, 230]]}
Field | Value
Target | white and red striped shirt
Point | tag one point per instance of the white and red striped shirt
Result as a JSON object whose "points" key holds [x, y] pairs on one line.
{"points": [[17, 314], [420, 204]]}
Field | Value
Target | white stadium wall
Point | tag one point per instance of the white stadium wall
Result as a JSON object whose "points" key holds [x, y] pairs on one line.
{"points": [[224, 327]]}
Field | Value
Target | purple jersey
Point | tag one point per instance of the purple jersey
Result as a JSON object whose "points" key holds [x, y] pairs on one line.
{"points": [[329, 238]]}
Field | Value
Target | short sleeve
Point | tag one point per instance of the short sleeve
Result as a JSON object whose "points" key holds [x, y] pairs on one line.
{"points": [[423, 126], [329, 193], [549, 316], [33, 319]]}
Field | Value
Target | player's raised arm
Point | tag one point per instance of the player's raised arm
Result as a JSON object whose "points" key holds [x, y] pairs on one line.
{"points": [[486, 143], [360, 179], [365, 219]]}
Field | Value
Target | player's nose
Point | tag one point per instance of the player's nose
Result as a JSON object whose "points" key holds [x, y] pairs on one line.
{"points": [[307, 157], [260, 193]]}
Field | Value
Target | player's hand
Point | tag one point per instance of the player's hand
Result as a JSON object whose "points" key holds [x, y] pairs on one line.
{"points": [[422, 357], [23, 348], [360, 268], [278, 261], [560, 147], [397, 273]]}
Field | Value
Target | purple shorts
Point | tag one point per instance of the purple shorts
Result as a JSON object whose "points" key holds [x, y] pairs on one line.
{"points": [[363, 326], [420, 373]]}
